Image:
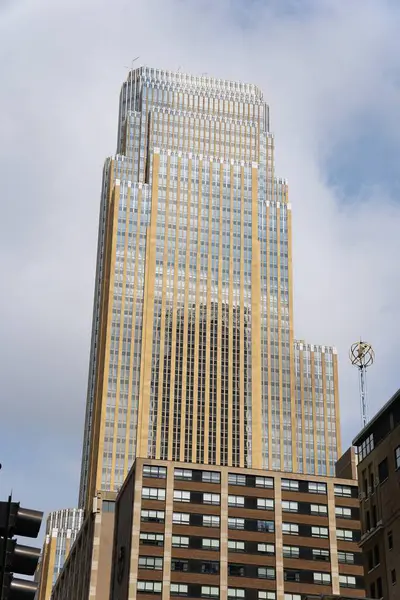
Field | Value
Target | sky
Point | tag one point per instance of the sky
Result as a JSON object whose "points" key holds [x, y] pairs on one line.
{"points": [[330, 71]]}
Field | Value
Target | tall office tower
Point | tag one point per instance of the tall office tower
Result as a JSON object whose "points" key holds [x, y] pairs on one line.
{"points": [[192, 353], [62, 528], [317, 408]]}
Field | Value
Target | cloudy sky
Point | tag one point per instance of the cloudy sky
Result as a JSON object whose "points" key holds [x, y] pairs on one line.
{"points": [[330, 70]]}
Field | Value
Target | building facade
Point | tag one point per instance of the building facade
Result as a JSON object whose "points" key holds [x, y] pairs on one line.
{"points": [[198, 531], [378, 446], [62, 528], [192, 353], [87, 569]]}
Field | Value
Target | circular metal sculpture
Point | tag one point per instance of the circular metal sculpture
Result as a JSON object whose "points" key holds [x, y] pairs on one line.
{"points": [[362, 356]]}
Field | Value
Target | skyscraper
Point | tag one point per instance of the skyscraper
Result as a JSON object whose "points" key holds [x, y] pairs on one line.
{"points": [[192, 353]]}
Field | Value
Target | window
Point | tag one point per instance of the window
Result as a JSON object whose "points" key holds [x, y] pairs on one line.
{"points": [[211, 567], [366, 447], [153, 493], [150, 471], [211, 476], [268, 549], [289, 506], [234, 479], [180, 541], [267, 526], [237, 501], [211, 498], [322, 578], [397, 457], [376, 555], [208, 591], [291, 551], [235, 523], [236, 570], [383, 470], [379, 587], [181, 496], [264, 595], [319, 554], [179, 589], [152, 516], [292, 596], [235, 546], [290, 484], [265, 482], [185, 474], [390, 540], [347, 581], [319, 532], [346, 558], [343, 512], [290, 528], [235, 593], [179, 565], [181, 518], [210, 544], [318, 509], [343, 490], [108, 506], [152, 539], [149, 587], [344, 534], [266, 572], [315, 487], [210, 521], [393, 576], [291, 575], [150, 562], [265, 503]]}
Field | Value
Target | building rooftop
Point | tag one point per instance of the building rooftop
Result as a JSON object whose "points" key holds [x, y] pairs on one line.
{"points": [[392, 406]]}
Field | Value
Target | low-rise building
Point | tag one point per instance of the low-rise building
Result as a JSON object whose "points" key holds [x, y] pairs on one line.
{"points": [[378, 446], [203, 531]]}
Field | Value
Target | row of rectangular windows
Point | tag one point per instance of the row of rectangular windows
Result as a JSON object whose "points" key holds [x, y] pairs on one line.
{"points": [[243, 480]]}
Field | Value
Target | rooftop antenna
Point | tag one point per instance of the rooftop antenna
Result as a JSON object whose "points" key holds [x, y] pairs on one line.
{"points": [[362, 356], [133, 61]]}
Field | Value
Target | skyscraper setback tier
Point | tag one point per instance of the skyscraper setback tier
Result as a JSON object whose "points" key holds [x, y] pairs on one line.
{"points": [[192, 353]]}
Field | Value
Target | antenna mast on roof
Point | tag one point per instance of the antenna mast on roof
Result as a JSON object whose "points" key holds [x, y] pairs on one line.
{"points": [[362, 356]]}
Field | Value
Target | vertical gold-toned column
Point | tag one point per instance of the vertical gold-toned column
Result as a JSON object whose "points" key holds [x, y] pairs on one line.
{"points": [[278, 538], [291, 334], [197, 316], [241, 349], [256, 327], [148, 316], [302, 403], [208, 320], [219, 325], [223, 571], [185, 398], [164, 304], [171, 415], [268, 294], [332, 538], [337, 403], [169, 509], [279, 302], [314, 405], [121, 338], [326, 430], [107, 324], [230, 301], [132, 345]]}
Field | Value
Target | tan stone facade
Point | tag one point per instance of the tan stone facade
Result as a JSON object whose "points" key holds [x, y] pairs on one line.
{"points": [[185, 529]]}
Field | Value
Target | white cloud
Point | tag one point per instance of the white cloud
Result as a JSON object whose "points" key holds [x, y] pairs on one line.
{"points": [[62, 64]]}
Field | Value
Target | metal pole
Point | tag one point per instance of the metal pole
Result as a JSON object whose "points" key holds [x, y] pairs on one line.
{"points": [[4, 557], [363, 393]]}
